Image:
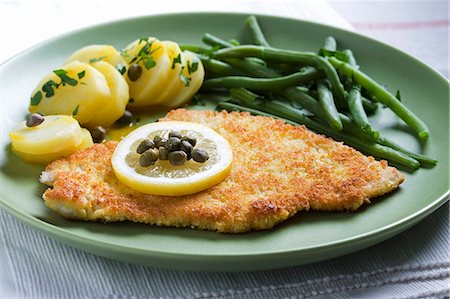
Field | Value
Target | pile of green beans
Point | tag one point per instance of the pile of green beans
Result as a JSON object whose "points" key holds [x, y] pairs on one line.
{"points": [[325, 91]]}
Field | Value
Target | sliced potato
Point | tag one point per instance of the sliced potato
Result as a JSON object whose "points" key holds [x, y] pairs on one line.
{"points": [[151, 83], [82, 97], [57, 133], [173, 83], [115, 107], [193, 72], [93, 53], [86, 142]]}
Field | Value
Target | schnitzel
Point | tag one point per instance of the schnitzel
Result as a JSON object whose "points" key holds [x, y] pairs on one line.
{"points": [[277, 171]]}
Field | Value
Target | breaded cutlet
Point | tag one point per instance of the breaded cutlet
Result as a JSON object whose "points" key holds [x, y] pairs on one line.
{"points": [[277, 171]]}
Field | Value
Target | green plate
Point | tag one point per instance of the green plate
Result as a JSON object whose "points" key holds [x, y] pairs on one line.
{"points": [[307, 237]]}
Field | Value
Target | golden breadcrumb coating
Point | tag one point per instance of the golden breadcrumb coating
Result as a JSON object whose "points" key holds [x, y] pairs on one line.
{"points": [[278, 170]]}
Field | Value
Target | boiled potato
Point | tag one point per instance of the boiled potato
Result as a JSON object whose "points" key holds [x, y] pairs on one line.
{"points": [[193, 70], [86, 141], [93, 53], [151, 55], [79, 90], [115, 107], [173, 83], [57, 133]]}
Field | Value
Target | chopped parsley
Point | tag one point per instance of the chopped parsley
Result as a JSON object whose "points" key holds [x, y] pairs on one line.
{"points": [[191, 68], [81, 74], [62, 74], [75, 111], [92, 60], [121, 68], [186, 80], [36, 98], [176, 60], [398, 96], [144, 54], [49, 87]]}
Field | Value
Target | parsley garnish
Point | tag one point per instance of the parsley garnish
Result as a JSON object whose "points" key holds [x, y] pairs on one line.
{"points": [[121, 68], [81, 74], [192, 68], [96, 59], [176, 60], [36, 98], [64, 78], [75, 111], [398, 96], [144, 54], [48, 87], [184, 79], [149, 62]]}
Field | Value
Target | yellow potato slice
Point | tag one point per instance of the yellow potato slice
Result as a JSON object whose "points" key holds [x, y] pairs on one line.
{"points": [[86, 141], [194, 72], [115, 107], [57, 133], [148, 87], [82, 96], [173, 83], [93, 53]]}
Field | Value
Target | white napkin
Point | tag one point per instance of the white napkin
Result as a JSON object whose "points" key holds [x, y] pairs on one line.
{"points": [[413, 264]]}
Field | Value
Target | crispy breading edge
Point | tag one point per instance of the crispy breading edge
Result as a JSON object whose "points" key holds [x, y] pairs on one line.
{"points": [[221, 208]]}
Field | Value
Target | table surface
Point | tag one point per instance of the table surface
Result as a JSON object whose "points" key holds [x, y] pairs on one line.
{"points": [[413, 264]]}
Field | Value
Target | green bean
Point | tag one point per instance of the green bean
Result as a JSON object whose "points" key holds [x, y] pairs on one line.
{"points": [[304, 76], [351, 58], [369, 106], [385, 97], [358, 114], [251, 68], [294, 117], [287, 56], [219, 67], [326, 101], [214, 41], [329, 44], [424, 160], [194, 48], [256, 32]]}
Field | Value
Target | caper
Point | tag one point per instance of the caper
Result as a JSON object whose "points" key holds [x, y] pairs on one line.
{"points": [[158, 141], [177, 158], [98, 134], [163, 153], [34, 119], [200, 156], [149, 157], [187, 148], [134, 71], [175, 134], [145, 145], [191, 140], [173, 144], [125, 119]]}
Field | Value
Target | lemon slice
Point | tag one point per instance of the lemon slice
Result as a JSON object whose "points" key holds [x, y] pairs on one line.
{"points": [[162, 178]]}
